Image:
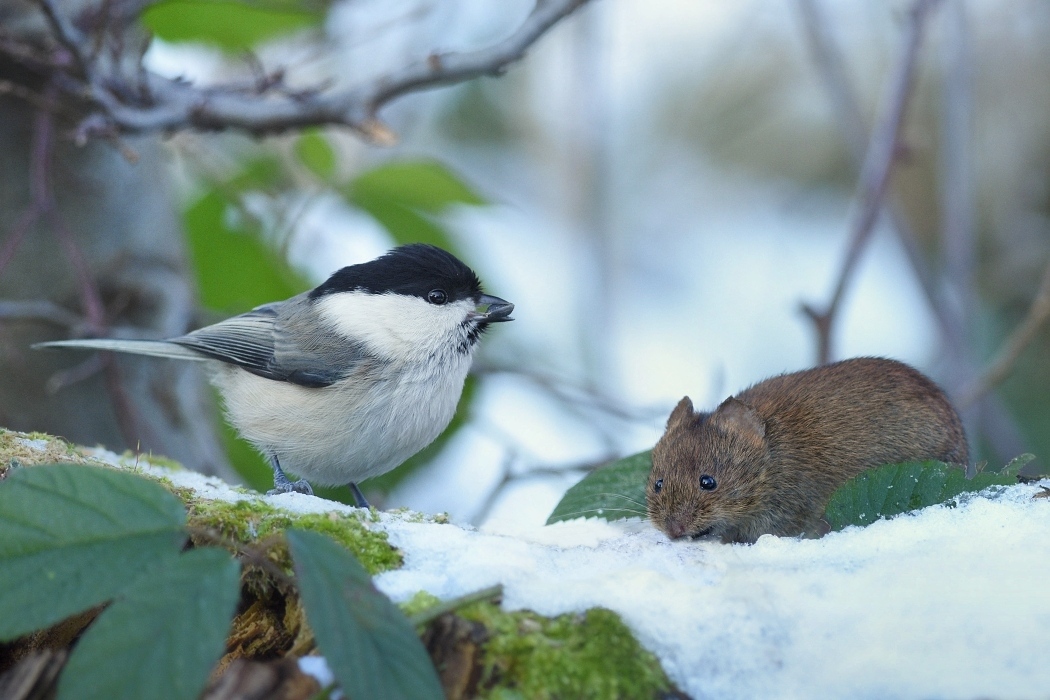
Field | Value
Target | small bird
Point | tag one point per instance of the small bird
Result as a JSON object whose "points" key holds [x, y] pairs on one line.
{"points": [[350, 379]]}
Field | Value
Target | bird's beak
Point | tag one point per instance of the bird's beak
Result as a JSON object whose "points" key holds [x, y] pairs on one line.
{"points": [[492, 310]]}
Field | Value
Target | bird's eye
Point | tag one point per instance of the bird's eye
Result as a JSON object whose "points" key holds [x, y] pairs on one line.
{"points": [[658, 485], [437, 296], [708, 483]]}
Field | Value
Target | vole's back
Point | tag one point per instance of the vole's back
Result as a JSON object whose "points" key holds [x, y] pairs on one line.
{"points": [[852, 415]]}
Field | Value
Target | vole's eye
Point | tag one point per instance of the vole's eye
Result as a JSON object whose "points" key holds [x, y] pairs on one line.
{"points": [[437, 297], [658, 485], [708, 483]]}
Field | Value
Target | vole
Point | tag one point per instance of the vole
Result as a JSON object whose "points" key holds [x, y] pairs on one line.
{"points": [[767, 460]]}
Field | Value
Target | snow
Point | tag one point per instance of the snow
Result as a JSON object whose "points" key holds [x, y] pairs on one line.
{"points": [[945, 602]]}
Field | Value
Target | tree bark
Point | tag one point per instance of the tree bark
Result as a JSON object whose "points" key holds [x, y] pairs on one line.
{"points": [[122, 219]]}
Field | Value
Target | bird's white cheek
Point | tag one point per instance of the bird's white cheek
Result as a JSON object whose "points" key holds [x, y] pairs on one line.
{"points": [[394, 326]]}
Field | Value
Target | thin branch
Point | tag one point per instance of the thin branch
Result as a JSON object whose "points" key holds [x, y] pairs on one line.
{"points": [[1000, 428], [875, 173], [40, 310], [449, 68], [66, 34], [159, 104], [248, 554], [830, 65], [1003, 364]]}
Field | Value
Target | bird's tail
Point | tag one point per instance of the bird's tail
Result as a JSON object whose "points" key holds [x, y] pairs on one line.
{"points": [[154, 348]]}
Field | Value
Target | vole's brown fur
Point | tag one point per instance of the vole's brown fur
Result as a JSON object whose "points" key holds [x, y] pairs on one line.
{"points": [[778, 450]]}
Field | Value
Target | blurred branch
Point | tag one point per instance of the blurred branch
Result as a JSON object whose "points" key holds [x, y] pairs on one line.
{"points": [[875, 172], [114, 105], [1000, 429], [830, 64], [40, 310], [1003, 364]]}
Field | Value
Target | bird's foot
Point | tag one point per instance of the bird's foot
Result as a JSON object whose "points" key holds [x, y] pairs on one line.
{"points": [[359, 498], [300, 486]]}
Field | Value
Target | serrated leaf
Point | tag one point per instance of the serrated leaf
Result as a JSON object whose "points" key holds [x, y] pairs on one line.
{"points": [[314, 152], [229, 25], [72, 536], [162, 637], [612, 492], [370, 645], [1015, 465], [898, 488]]}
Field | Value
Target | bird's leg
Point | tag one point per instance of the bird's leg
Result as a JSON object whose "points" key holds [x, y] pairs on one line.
{"points": [[281, 483], [359, 498]]}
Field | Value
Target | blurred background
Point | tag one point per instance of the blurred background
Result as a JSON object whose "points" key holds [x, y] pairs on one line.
{"points": [[659, 188]]}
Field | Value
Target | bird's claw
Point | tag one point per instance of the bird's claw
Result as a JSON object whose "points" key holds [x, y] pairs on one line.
{"points": [[300, 486]]}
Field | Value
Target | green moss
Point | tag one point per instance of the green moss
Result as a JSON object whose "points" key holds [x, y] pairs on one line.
{"points": [[418, 603], [19, 449], [252, 520], [592, 655]]}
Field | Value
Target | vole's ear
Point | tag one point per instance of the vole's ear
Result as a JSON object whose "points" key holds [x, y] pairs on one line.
{"points": [[682, 413], [736, 417]]}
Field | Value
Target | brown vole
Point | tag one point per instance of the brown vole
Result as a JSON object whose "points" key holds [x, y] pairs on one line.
{"points": [[768, 459]]}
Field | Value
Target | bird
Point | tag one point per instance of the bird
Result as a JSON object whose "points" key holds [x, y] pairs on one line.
{"points": [[348, 380]]}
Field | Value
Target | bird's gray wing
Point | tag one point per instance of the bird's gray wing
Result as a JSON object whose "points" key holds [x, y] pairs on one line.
{"points": [[271, 341]]}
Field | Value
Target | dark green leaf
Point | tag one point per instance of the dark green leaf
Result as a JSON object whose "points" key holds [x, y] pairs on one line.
{"points": [[314, 151], [898, 488], [72, 536], [232, 26], [369, 643], [162, 636], [612, 492]]}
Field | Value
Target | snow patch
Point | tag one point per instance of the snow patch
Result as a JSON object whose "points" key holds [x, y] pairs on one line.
{"points": [[945, 602]]}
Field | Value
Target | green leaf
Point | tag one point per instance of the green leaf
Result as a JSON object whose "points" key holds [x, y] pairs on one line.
{"points": [[369, 643], [898, 488], [236, 269], [612, 492], [425, 185], [314, 151], [1015, 465], [406, 197], [231, 26], [162, 637], [72, 536]]}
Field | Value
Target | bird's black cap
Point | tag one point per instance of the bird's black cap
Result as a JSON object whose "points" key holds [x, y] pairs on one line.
{"points": [[412, 270]]}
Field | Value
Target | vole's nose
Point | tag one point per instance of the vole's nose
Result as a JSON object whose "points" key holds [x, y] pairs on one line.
{"points": [[675, 529]]}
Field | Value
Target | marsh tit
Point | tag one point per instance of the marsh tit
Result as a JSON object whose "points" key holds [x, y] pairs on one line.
{"points": [[350, 379]]}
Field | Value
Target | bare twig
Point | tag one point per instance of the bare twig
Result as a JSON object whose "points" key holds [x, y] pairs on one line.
{"points": [[40, 310], [1001, 367], [830, 64], [75, 374], [446, 606], [874, 175], [248, 554], [999, 427], [66, 34], [118, 107]]}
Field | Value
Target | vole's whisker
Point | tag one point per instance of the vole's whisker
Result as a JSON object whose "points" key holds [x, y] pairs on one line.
{"points": [[601, 511], [623, 496]]}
